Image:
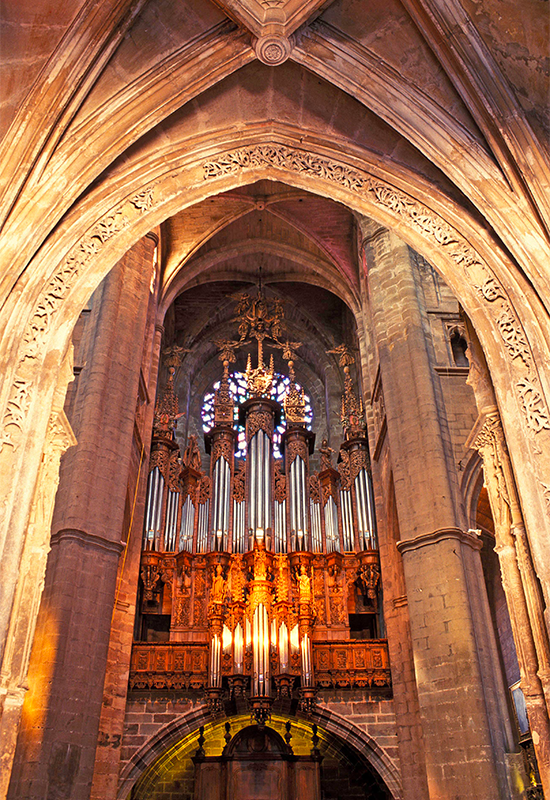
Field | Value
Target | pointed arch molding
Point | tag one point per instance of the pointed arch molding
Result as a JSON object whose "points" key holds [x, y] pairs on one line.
{"points": [[333, 723], [139, 195]]}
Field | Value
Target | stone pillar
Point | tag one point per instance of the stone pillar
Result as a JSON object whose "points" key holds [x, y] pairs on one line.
{"points": [[31, 578], [460, 699], [519, 581], [56, 746], [111, 725]]}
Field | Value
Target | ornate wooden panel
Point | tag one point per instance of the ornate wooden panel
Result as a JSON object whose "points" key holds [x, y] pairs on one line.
{"points": [[176, 666], [346, 664]]}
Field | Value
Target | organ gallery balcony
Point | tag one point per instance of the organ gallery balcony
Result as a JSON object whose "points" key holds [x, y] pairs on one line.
{"points": [[183, 666]]}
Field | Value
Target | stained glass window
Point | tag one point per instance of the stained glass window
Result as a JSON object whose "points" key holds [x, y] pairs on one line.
{"points": [[239, 391]]}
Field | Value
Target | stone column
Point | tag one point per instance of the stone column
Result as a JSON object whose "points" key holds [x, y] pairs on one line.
{"points": [[459, 695], [56, 746], [13, 679], [111, 725], [521, 587]]}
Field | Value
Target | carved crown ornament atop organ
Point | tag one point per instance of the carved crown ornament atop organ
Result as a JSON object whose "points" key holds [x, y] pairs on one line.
{"points": [[260, 577]]}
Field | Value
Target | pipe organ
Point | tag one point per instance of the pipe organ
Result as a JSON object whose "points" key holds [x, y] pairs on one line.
{"points": [[252, 570]]}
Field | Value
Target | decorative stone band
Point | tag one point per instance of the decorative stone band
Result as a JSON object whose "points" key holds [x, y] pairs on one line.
{"points": [[426, 539], [86, 540]]}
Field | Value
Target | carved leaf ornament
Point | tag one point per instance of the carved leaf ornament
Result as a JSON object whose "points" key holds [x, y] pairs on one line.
{"points": [[535, 411]]}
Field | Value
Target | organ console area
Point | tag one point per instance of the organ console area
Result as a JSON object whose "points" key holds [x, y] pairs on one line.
{"points": [[260, 578]]}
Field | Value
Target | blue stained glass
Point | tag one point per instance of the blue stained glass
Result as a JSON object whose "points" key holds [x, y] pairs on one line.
{"points": [[238, 388]]}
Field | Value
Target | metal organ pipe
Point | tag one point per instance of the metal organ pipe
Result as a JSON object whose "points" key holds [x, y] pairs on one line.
{"points": [[260, 482], [154, 509], [267, 483], [298, 516], [252, 521], [260, 651], [372, 516]]}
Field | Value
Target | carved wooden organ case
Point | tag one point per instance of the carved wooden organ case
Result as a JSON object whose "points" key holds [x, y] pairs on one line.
{"points": [[259, 578]]}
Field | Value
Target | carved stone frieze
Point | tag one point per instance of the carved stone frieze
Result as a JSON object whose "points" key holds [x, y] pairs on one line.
{"points": [[536, 412], [513, 337], [86, 250], [16, 411]]}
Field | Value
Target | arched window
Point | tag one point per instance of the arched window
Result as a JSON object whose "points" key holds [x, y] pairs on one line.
{"points": [[458, 347]]}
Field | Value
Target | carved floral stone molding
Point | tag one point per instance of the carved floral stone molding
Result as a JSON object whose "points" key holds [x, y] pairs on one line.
{"points": [[535, 411], [59, 286], [430, 225]]}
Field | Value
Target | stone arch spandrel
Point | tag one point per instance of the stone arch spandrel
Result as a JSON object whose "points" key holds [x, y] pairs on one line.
{"points": [[128, 204], [339, 727]]}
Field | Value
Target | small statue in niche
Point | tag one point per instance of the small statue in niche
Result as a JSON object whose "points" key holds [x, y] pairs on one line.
{"points": [[218, 585], [304, 585], [260, 561], [326, 453], [192, 456]]}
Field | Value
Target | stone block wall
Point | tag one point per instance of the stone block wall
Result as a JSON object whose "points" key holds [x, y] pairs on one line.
{"points": [[170, 771]]}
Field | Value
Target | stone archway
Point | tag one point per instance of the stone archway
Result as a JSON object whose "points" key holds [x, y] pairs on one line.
{"points": [[173, 745], [113, 216]]}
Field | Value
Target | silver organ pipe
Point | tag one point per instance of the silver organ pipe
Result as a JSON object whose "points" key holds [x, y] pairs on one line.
{"points": [[260, 652], [316, 533], [361, 501], [187, 525], [347, 519], [220, 504], [298, 515], [331, 526], [153, 516], [307, 671], [373, 544], [260, 482], [267, 482], [253, 473], [215, 677], [171, 520], [238, 527], [280, 527], [202, 532]]}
